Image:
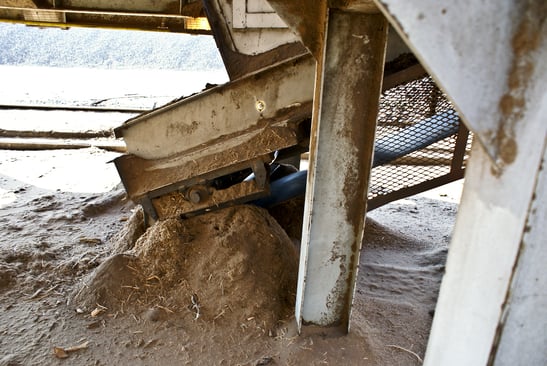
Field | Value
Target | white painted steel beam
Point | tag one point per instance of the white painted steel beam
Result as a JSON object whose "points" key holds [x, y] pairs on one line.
{"points": [[485, 247], [349, 80], [523, 336], [250, 32], [255, 14], [468, 47], [489, 57]]}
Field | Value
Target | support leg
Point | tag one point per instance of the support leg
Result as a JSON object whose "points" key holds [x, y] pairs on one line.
{"points": [[491, 307], [349, 77]]}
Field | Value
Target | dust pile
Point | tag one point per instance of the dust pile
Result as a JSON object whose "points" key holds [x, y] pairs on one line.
{"points": [[234, 267]]}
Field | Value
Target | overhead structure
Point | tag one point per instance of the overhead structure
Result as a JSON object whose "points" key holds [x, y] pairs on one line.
{"points": [[183, 16]]}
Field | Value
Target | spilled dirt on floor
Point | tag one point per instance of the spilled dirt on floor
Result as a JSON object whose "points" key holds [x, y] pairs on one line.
{"points": [[81, 278]]}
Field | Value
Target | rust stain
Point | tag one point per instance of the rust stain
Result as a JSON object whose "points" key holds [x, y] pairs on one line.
{"points": [[508, 147], [508, 104], [307, 19], [512, 105], [182, 128], [341, 291]]}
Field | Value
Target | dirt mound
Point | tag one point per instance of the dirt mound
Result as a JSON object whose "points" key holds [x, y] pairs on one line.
{"points": [[111, 285], [233, 267], [125, 239], [289, 215]]}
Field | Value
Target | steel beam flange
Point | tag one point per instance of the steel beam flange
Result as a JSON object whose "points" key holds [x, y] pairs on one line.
{"points": [[344, 122]]}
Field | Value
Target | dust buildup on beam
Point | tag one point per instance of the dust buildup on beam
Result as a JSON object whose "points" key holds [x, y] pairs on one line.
{"points": [[225, 267]]}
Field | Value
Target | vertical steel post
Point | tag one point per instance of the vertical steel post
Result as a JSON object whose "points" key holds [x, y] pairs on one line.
{"points": [[522, 335], [349, 78]]}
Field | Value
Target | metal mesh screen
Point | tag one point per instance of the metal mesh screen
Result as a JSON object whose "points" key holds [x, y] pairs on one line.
{"points": [[419, 142]]}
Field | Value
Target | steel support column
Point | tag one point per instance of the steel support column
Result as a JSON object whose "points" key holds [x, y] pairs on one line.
{"points": [[522, 337], [491, 303], [488, 56], [349, 78]]}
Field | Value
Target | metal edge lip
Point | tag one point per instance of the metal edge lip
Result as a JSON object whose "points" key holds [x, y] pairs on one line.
{"points": [[118, 131]]}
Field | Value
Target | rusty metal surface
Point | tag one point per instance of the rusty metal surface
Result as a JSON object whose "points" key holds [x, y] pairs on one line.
{"points": [[163, 16], [197, 199], [307, 19], [361, 6], [408, 74], [484, 70], [237, 63], [341, 159], [276, 115], [141, 176], [154, 196]]}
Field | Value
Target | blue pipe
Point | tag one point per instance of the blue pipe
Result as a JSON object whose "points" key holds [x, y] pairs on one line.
{"points": [[402, 143], [386, 149]]}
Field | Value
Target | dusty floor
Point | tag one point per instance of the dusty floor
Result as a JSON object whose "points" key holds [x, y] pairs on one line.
{"points": [[60, 213]]}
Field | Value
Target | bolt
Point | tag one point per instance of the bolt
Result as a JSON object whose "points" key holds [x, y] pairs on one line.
{"points": [[260, 105], [194, 196]]}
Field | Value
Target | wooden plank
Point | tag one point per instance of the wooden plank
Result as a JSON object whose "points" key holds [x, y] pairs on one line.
{"points": [[413, 72]]}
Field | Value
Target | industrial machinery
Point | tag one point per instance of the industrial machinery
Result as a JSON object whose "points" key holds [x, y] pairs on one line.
{"points": [[194, 154], [197, 151]]}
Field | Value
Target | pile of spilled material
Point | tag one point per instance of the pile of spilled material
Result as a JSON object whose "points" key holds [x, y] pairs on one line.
{"points": [[225, 267]]}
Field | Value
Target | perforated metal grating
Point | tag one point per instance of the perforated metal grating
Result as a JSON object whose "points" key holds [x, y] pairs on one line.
{"points": [[420, 143]]}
